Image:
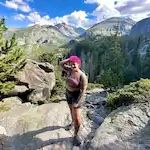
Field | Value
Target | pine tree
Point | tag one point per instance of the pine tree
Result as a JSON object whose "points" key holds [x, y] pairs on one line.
{"points": [[146, 64], [136, 60], [113, 63], [11, 59]]}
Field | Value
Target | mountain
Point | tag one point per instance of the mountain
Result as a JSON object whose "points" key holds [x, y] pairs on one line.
{"points": [[38, 35], [141, 28], [109, 26], [70, 31], [140, 35], [47, 36]]}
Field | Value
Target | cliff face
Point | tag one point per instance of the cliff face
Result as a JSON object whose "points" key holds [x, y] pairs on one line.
{"points": [[140, 34], [141, 28]]}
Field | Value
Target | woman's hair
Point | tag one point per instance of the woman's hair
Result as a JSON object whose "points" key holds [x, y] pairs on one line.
{"points": [[75, 59]]}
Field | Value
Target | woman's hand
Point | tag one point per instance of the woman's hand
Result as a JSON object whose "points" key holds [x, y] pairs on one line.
{"points": [[76, 105], [64, 61], [64, 65]]}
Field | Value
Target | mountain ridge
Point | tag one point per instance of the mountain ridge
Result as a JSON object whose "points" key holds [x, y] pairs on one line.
{"points": [[110, 26]]}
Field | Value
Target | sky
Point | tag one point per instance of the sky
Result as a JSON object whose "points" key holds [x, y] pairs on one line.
{"points": [[79, 13]]}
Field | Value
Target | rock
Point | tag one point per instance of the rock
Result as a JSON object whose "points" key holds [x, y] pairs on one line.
{"points": [[41, 127], [35, 127], [96, 97], [39, 96], [31, 127], [93, 101], [96, 118], [37, 75], [12, 101], [96, 90], [40, 78], [46, 67], [2, 131], [126, 128], [96, 105], [96, 100], [17, 90], [5, 143]]}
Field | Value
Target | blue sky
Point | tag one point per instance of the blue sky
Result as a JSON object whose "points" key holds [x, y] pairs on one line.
{"points": [[83, 13]]}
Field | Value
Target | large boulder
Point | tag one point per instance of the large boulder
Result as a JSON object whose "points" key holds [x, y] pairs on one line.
{"points": [[24, 126], [39, 78], [126, 128]]}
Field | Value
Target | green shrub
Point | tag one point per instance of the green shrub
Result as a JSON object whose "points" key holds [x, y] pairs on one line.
{"points": [[48, 57], [59, 88], [136, 92], [92, 86], [11, 60]]}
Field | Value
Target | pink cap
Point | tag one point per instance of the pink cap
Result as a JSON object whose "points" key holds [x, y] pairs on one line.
{"points": [[75, 59]]}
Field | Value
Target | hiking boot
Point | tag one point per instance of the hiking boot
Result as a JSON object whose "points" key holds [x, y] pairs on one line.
{"points": [[77, 141]]}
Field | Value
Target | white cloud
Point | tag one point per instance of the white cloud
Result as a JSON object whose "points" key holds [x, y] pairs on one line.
{"points": [[76, 18], [25, 8], [136, 9], [19, 1], [103, 12], [11, 4], [35, 18], [17, 5], [92, 1], [19, 17]]}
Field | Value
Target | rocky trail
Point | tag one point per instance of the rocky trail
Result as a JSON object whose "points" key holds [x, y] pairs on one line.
{"points": [[24, 126]]}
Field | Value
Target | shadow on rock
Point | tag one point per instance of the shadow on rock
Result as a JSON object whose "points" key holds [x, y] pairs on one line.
{"points": [[30, 141]]}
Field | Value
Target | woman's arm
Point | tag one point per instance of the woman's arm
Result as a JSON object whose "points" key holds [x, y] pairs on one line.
{"points": [[64, 65], [84, 81]]}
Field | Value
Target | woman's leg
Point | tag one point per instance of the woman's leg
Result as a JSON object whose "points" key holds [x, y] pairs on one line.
{"points": [[77, 113], [77, 119], [69, 101], [71, 112], [69, 127]]}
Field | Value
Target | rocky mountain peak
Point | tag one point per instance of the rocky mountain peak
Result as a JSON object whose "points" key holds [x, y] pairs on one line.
{"points": [[70, 31], [109, 26]]}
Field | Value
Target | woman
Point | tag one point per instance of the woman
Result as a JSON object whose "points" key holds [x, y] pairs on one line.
{"points": [[76, 84]]}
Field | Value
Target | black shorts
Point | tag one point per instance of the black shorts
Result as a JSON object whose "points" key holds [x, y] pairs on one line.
{"points": [[72, 97]]}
